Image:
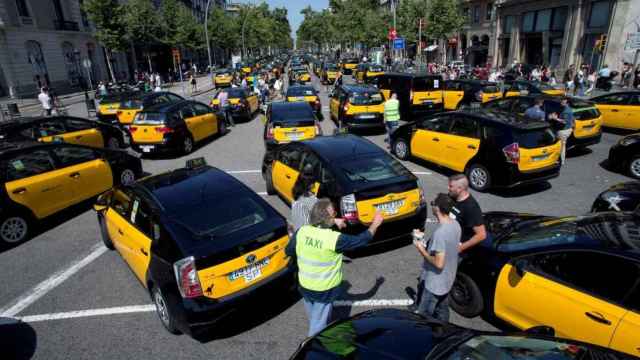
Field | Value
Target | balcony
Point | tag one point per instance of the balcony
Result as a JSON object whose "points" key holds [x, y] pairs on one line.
{"points": [[66, 25]]}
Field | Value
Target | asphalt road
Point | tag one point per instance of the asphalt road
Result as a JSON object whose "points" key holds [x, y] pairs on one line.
{"points": [[106, 312]]}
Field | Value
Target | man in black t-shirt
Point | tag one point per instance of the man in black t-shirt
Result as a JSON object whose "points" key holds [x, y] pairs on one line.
{"points": [[467, 212]]}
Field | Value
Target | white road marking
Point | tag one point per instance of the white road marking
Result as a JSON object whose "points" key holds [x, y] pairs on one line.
{"points": [[243, 171], [263, 193], [422, 173], [49, 284], [374, 302]]}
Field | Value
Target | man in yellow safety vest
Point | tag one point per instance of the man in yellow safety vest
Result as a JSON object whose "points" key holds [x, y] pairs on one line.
{"points": [[318, 250], [391, 116]]}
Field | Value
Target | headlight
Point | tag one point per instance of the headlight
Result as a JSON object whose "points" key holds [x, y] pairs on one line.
{"points": [[627, 141]]}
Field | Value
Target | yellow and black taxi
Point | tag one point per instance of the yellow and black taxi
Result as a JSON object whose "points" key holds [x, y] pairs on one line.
{"points": [[493, 149], [198, 240], [391, 334], [548, 271], [42, 179], [223, 78], [366, 73], [244, 68], [174, 127], [418, 94], [299, 74], [356, 107], [358, 176], [349, 65], [69, 129], [108, 105], [526, 87], [242, 103], [329, 73], [588, 119], [625, 155], [306, 93], [130, 107], [620, 110], [458, 93], [289, 121]]}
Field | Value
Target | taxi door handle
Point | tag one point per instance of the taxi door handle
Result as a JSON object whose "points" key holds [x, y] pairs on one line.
{"points": [[75, 175], [596, 316], [471, 147], [120, 232], [436, 139], [20, 191], [144, 252], [615, 110], [79, 137], [288, 176]]}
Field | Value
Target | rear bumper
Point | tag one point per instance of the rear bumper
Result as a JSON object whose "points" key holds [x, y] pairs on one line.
{"points": [[584, 141], [394, 230], [358, 122], [425, 109], [196, 313], [169, 144], [516, 177]]}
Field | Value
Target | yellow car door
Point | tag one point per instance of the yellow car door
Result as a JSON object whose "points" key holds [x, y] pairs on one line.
{"points": [[116, 221], [613, 109], [426, 142], [33, 181], [253, 102], [83, 132], [460, 144], [209, 119], [285, 171], [136, 238], [453, 94], [632, 111], [626, 338], [90, 175], [192, 121], [548, 289]]}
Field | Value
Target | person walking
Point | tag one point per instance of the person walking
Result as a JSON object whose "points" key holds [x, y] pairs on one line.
{"points": [[467, 213], [45, 101], [567, 79], [566, 119], [223, 98], [591, 81], [193, 82], [440, 260], [318, 251], [391, 116], [535, 112]]}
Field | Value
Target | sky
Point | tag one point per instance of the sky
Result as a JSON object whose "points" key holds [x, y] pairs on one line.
{"points": [[293, 9]]}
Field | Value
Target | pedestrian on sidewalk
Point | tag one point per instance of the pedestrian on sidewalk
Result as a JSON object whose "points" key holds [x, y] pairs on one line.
{"points": [[440, 265], [193, 82], [45, 101], [318, 250], [567, 123], [567, 79], [223, 98], [391, 116], [591, 81], [466, 211], [102, 88]]}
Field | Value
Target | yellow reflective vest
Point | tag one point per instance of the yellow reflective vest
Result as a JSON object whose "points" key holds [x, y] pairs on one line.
{"points": [[319, 265]]}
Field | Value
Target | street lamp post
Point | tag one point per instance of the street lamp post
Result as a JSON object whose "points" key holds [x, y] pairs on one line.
{"points": [[206, 32], [244, 22]]}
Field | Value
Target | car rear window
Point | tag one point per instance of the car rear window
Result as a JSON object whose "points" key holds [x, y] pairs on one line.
{"points": [[294, 116], [376, 69], [374, 168], [150, 118], [132, 104], [234, 92], [365, 98], [586, 113], [426, 84], [301, 92], [531, 139]]}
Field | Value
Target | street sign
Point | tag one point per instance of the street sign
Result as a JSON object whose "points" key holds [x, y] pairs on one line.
{"points": [[633, 41], [398, 43], [393, 34]]}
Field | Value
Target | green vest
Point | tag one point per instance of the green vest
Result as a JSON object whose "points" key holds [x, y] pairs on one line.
{"points": [[392, 110], [319, 265]]}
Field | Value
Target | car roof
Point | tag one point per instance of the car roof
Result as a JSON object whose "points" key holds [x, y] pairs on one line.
{"points": [[339, 146], [33, 119], [477, 82], [284, 105], [504, 118], [633, 92], [557, 99], [359, 88], [10, 147], [166, 107]]}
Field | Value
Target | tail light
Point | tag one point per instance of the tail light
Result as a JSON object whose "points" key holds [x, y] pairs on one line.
{"points": [[164, 130], [132, 129], [349, 208], [512, 153], [411, 95], [346, 107], [187, 278], [270, 132], [479, 95]]}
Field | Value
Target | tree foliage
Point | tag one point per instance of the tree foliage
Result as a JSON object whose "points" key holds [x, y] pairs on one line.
{"points": [[444, 19], [109, 29]]}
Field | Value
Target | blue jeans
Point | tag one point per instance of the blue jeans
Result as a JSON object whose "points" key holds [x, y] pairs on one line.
{"points": [[318, 315], [436, 306], [391, 127]]}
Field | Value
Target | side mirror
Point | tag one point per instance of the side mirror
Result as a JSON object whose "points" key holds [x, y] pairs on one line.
{"points": [[521, 267], [102, 202], [541, 330]]}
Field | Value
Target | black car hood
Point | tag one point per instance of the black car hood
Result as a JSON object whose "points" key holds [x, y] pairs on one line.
{"points": [[620, 197], [626, 187], [635, 137], [378, 334]]}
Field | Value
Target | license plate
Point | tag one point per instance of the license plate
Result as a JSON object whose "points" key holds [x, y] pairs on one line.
{"points": [[249, 273], [429, 102], [300, 98], [391, 207], [368, 116], [294, 135], [147, 148], [539, 157], [587, 127]]}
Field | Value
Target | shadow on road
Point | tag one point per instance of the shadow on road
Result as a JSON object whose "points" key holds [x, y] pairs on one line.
{"points": [[578, 151], [623, 132], [375, 249], [18, 340], [342, 309]]}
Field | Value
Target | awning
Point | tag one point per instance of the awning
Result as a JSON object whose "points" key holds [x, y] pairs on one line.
{"points": [[431, 48]]}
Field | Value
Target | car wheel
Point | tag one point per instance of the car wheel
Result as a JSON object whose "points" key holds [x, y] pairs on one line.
{"points": [[271, 190], [466, 297], [222, 127], [14, 229], [479, 177], [401, 149], [113, 143], [164, 311], [634, 167], [106, 239], [187, 145], [127, 176]]}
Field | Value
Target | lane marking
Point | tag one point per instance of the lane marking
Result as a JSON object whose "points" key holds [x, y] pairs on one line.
{"points": [[374, 302], [243, 171], [49, 284], [422, 173], [263, 193]]}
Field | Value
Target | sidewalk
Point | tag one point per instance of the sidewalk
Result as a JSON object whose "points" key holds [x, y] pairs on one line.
{"points": [[28, 104]]}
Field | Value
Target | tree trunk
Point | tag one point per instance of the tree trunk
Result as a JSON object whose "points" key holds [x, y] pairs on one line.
{"points": [[108, 53], [149, 60]]}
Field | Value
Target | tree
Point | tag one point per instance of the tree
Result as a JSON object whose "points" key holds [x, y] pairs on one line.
{"points": [[445, 19], [109, 29], [409, 13], [142, 22], [188, 33]]}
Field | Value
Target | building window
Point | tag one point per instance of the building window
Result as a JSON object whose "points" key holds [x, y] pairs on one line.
{"points": [[528, 20], [507, 24], [22, 8], [599, 14], [489, 11], [465, 13], [476, 14], [543, 20], [559, 19]]}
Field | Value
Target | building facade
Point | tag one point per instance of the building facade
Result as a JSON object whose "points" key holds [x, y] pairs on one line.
{"points": [[474, 43], [46, 43]]}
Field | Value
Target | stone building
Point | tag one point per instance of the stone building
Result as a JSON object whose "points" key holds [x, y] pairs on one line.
{"points": [[46, 42], [473, 44]]}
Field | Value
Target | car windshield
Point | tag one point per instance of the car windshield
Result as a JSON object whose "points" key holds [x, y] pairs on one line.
{"points": [[561, 231], [293, 91], [218, 217], [521, 347], [366, 98], [293, 116], [425, 84], [374, 168], [531, 139]]}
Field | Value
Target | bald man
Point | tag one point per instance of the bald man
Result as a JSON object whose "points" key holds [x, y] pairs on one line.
{"points": [[467, 212]]}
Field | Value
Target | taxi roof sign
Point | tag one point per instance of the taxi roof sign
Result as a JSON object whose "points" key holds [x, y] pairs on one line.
{"points": [[196, 163]]}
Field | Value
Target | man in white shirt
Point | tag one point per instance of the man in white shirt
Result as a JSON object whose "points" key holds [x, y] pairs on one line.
{"points": [[45, 100]]}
